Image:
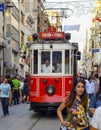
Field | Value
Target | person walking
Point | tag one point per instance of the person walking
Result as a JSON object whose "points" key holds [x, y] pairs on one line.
{"points": [[25, 90], [21, 89], [95, 101], [76, 104], [16, 90], [96, 84], [5, 89], [89, 87], [11, 84]]}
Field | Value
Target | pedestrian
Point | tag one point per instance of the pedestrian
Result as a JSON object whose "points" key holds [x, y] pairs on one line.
{"points": [[11, 84], [5, 89], [96, 120], [96, 84], [21, 89], [16, 90], [76, 104], [25, 90], [95, 100], [89, 87]]}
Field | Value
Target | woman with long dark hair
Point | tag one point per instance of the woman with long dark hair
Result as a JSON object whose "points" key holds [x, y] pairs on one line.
{"points": [[76, 104]]}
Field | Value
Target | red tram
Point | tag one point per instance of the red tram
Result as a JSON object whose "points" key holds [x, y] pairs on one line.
{"points": [[53, 63]]}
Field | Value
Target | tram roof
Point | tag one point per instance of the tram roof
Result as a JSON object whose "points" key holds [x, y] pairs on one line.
{"points": [[64, 44]]}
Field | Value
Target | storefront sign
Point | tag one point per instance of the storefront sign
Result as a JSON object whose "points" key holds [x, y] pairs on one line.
{"points": [[1, 7], [95, 50]]}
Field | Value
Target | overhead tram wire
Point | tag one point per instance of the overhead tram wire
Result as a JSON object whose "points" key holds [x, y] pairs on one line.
{"points": [[73, 7], [77, 6], [67, 5]]}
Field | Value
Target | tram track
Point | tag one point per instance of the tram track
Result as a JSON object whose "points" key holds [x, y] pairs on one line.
{"points": [[39, 118]]}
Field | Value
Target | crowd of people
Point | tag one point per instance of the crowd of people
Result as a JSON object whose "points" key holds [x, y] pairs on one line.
{"points": [[13, 91], [83, 105]]}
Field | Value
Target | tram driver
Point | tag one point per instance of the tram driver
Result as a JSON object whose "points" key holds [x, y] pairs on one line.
{"points": [[46, 67]]}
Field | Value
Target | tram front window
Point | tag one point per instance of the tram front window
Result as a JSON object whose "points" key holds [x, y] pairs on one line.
{"points": [[57, 61], [51, 64], [46, 66]]}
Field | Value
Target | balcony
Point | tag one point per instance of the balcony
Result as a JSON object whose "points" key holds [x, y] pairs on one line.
{"points": [[2, 45]]}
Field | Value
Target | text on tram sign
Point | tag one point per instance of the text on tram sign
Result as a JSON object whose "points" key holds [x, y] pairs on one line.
{"points": [[51, 35]]}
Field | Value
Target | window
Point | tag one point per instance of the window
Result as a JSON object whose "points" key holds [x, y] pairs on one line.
{"points": [[57, 61], [45, 62], [35, 60], [67, 62]]}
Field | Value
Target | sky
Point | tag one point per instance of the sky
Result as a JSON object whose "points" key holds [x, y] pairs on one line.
{"points": [[53, 0], [85, 21]]}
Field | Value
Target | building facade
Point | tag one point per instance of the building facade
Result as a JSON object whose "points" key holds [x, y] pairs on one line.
{"points": [[21, 19], [96, 39]]}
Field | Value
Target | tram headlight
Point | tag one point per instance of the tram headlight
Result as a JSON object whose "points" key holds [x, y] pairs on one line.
{"points": [[50, 89], [56, 80], [44, 81]]}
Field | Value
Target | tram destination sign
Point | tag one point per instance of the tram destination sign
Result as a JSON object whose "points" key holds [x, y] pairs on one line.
{"points": [[51, 35]]}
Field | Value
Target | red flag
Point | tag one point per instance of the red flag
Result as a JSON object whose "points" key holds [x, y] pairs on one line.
{"points": [[98, 19]]}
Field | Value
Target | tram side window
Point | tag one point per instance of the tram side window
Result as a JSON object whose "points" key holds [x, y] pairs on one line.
{"points": [[67, 61], [31, 62], [35, 62], [45, 62], [57, 61], [72, 62]]}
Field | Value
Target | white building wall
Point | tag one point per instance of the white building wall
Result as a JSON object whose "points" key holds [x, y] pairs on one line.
{"points": [[30, 22], [1, 27], [14, 22]]}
